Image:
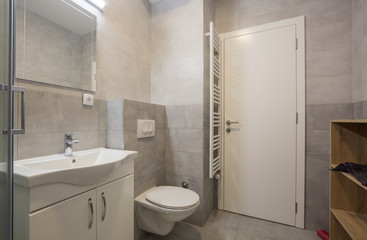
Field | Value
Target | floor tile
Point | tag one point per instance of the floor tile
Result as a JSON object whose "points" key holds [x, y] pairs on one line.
{"points": [[218, 234], [223, 225], [222, 219]]}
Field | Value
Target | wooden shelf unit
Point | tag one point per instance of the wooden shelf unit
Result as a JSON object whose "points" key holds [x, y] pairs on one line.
{"points": [[348, 197]]}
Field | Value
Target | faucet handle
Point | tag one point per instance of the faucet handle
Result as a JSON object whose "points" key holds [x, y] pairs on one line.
{"points": [[69, 135], [71, 141]]}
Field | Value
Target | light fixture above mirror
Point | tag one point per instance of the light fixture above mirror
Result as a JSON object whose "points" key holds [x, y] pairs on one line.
{"points": [[100, 4]]}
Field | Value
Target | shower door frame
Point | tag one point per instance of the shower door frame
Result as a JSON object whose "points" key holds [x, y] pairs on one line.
{"points": [[9, 88], [299, 23]]}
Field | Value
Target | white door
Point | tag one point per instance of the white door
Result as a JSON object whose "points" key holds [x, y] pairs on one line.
{"points": [[72, 219], [115, 213], [260, 151]]}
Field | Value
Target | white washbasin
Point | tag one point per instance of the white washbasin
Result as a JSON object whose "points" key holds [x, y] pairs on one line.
{"points": [[83, 168]]}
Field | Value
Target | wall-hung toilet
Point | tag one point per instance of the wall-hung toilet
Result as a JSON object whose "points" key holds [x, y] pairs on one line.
{"points": [[159, 208]]}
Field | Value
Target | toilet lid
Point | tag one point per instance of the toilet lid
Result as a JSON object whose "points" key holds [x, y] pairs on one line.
{"points": [[172, 197]]}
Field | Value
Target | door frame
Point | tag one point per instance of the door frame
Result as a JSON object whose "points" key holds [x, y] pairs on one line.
{"points": [[299, 23]]}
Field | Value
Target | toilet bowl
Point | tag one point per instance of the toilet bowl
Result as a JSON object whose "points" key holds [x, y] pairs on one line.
{"points": [[159, 208]]}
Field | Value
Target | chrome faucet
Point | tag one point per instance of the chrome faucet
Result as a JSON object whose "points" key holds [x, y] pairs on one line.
{"points": [[69, 141]]}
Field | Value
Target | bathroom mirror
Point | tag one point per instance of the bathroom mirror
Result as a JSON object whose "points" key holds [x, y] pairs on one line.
{"points": [[56, 43]]}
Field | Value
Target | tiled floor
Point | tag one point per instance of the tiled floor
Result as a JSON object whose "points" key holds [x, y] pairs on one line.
{"points": [[228, 226]]}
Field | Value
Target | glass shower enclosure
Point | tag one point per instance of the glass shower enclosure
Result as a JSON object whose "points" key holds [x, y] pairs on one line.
{"points": [[6, 117]]}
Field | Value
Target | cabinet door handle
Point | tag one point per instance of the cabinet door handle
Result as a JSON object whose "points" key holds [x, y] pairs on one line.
{"points": [[92, 214], [104, 207]]}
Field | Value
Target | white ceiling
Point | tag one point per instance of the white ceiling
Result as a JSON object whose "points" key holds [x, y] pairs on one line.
{"points": [[61, 13]]}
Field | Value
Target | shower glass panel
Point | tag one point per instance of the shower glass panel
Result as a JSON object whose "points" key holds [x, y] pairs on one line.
{"points": [[5, 167]]}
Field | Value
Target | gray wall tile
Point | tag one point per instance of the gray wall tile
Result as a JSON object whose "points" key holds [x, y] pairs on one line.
{"points": [[209, 197], [317, 167], [317, 142], [134, 110], [330, 90], [316, 189], [149, 167], [357, 110], [148, 172], [184, 163], [185, 140], [160, 117], [185, 116], [364, 109], [317, 217], [318, 116], [144, 145], [329, 64]]}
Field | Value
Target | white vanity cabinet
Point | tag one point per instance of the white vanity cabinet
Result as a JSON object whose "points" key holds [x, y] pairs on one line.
{"points": [[115, 210], [103, 213], [70, 219]]}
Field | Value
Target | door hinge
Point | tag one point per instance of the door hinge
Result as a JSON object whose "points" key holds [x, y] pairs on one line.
{"points": [[296, 43], [296, 207], [296, 117], [5, 131], [3, 87]]}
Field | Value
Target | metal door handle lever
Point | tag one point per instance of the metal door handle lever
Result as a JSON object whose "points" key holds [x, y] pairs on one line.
{"points": [[228, 122]]}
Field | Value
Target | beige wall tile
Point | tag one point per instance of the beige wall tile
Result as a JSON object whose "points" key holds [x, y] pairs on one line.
{"points": [[40, 144], [123, 51], [51, 115], [177, 52]]}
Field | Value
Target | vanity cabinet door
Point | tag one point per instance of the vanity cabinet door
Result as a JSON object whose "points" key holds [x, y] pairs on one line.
{"points": [[72, 219], [115, 212]]}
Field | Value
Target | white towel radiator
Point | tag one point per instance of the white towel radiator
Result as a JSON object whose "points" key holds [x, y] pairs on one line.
{"points": [[215, 163]]}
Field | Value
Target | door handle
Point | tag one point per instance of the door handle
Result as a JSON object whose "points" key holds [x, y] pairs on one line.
{"points": [[91, 211], [21, 90], [229, 122], [104, 207]]}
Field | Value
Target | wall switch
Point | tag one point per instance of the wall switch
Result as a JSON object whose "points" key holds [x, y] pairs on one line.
{"points": [[88, 99], [146, 128]]}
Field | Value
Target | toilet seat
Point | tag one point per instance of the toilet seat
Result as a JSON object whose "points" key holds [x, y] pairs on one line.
{"points": [[170, 197]]}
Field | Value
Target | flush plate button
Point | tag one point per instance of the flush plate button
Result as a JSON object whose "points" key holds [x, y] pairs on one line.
{"points": [[146, 128]]}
